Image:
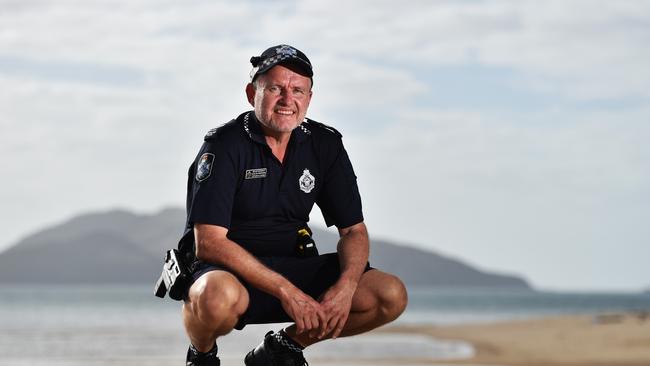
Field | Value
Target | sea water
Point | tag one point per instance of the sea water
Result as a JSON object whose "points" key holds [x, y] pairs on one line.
{"points": [[442, 306], [127, 325]]}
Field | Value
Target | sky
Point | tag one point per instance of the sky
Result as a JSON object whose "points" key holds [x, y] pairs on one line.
{"points": [[512, 135]]}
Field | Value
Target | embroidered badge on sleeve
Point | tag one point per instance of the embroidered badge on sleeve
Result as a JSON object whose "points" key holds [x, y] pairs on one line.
{"points": [[204, 169]]}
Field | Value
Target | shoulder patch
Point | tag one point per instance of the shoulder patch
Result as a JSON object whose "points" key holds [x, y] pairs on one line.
{"points": [[204, 168], [324, 126]]}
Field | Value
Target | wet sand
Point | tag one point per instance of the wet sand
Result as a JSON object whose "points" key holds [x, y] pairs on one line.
{"points": [[599, 340], [603, 340]]}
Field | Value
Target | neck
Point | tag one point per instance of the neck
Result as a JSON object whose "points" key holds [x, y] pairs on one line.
{"points": [[277, 141], [275, 138]]}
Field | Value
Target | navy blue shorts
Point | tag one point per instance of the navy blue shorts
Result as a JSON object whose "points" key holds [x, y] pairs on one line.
{"points": [[313, 276]]}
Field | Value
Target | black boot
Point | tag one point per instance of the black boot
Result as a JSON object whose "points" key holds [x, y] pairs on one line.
{"points": [[272, 353], [195, 358]]}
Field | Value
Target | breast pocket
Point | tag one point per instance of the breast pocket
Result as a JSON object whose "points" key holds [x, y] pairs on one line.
{"points": [[255, 195]]}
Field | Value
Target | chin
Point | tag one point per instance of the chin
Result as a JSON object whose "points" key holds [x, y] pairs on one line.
{"points": [[285, 126]]}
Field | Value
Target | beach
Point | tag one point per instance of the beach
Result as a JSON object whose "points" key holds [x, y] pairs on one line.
{"points": [[617, 339], [127, 326], [621, 339]]}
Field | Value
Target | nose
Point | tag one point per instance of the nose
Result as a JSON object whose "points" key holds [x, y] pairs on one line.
{"points": [[285, 95]]}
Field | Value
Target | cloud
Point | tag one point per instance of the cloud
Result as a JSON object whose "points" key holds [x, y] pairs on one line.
{"points": [[517, 188], [552, 50], [579, 57], [482, 126]]}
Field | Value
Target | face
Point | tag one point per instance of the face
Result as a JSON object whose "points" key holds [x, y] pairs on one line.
{"points": [[280, 98]]}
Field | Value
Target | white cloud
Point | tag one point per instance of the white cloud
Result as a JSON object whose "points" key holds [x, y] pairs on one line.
{"points": [[516, 194], [593, 55], [105, 103]]}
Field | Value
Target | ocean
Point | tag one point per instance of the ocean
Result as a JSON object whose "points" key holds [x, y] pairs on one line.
{"points": [[127, 325]]}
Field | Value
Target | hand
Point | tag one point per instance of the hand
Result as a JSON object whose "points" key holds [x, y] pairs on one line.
{"points": [[304, 310], [336, 304]]}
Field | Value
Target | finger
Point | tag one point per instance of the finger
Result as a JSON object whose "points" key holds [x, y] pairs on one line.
{"points": [[329, 327], [316, 314], [316, 325], [339, 326], [323, 322], [300, 325], [331, 324], [308, 322], [336, 333], [315, 320]]}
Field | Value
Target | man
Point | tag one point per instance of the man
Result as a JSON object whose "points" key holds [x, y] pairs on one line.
{"points": [[250, 192]]}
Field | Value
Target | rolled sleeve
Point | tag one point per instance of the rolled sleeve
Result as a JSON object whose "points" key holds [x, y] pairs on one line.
{"points": [[339, 200], [212, 187]]}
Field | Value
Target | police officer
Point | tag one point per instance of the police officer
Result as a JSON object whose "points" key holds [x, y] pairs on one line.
{"points": [[250, 192]]}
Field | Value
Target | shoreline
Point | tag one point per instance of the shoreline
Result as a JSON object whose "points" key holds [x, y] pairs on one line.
{"points": [[609, 339]]}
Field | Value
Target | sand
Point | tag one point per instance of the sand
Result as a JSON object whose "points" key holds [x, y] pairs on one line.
{"points": [[602, 340], [599, 340]]}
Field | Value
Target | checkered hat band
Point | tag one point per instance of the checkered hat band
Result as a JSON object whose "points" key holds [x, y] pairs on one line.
{"points": [[276, 58]]}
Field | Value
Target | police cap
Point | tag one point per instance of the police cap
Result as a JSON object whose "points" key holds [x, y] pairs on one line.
{"points": [[281, 55]]}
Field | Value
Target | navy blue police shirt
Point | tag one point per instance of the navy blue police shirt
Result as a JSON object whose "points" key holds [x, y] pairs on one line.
{"points": [[236, 182]]}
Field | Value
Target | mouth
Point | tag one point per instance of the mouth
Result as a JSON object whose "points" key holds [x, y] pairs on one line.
{"points": [[284, 112]]}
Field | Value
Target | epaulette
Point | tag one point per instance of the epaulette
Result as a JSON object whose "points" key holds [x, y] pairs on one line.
{"points": [[212, 133], [324, 126], [215, 131]]}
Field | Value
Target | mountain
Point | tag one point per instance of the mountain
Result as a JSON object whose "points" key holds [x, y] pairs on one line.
{"points": [[122, 247]]}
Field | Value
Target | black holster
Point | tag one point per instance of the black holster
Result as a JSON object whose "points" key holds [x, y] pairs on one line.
{"points": [[175, 277]]}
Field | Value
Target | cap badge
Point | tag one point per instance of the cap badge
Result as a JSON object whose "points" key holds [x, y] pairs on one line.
{"points": [[307, 181], [285, 50]]}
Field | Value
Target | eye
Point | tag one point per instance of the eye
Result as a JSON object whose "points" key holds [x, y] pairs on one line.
{"points": [[274, 89], [299, 92]]}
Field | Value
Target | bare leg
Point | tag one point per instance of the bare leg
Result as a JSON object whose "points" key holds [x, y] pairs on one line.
{"points": [[216, 301], [380, 298]]}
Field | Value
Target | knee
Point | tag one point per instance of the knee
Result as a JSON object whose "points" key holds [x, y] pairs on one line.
{"points": [[393, 298], [214, 301]]}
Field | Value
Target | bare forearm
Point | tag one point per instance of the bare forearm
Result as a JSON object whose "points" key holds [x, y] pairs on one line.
{"points": [[222, 251], [353, 249], [337, 300]]}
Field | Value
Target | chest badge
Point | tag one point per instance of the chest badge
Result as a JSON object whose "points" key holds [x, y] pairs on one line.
{"points": [[307, 181]]}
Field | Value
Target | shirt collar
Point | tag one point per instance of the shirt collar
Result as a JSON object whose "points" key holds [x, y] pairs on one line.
{"points": [[254, 130]]}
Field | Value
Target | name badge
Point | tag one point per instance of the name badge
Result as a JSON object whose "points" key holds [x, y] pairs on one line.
{"points": [[255, 173]]}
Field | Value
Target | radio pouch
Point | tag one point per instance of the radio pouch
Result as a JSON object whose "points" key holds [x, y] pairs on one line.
{"points": [[305, 245]]}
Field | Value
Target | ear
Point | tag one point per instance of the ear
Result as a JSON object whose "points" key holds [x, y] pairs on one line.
{"points": [[250, 94]]}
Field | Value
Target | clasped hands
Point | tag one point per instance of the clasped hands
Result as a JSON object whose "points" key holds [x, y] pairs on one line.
{"points": [[321, 318]]}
